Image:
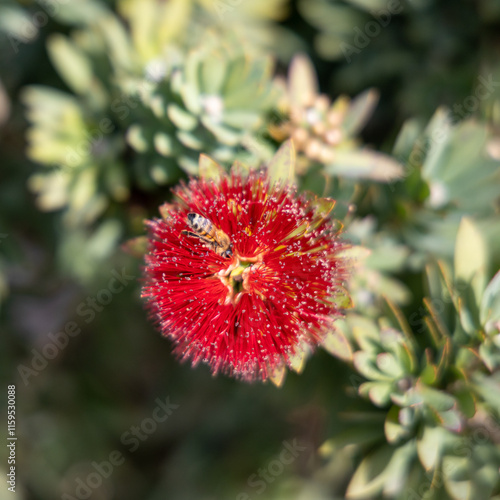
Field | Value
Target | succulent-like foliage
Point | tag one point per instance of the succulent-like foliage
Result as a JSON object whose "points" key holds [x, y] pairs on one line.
{"points": [[155, 25], [82, 157], [121, 99], [325, 133], [441, 425], [392, 44], [211, 103], [170, 110], [126, 126], [377, 257], [444, 164]]}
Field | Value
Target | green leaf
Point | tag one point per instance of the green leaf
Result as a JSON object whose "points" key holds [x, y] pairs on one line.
{"points": [[322, 209], [369, 5], [336, 343], [471, 261], [303, 86], [164, 144], [488, 387], [365, 332], [384, 470], [369, 478], [191, 98], [137, 138], [79, 13], [241, 118], [438, 400], [116, 180], [365, 164], [71, 63], [341, 298], [278, 376], [356, 253], [181, 118], [456, 482], [209, 169], [490, 354], [388, 364], [406, 139], [158, 106], [359, 112], [213, 74], [297, 361], [431, 445], [397, 472], [379, 393], [435, 159], [163, 171], [489, 312], [466, 401], [136, 246], [468, 317], [281, 168], [394, 431], [388, 256], [191, 141], [188, 164], [452, 420], [364, 363], [390, 288], [361, 435], [230, 137]]}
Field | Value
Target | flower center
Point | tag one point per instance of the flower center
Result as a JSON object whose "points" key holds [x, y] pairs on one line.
{"points": [[237, 278]]}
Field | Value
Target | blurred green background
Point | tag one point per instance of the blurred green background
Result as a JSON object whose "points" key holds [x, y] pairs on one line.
{"points": [[104, 105]]}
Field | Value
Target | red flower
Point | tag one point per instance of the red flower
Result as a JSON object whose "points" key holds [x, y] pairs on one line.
{"points": [[248, 311]]}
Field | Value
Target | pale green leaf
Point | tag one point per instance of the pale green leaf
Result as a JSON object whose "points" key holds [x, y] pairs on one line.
{"points": [[431, 445], [191, 141], [181, 118], [136, 246], [164, 143], [282, 167], [337, 344], [365, 164], [369, 478], [137, 138], [364, 363], [303, 85], [209, 169], [471, 262], [359, 112], [439, 400], [489, 313], [278, 375], [457, 484], [213, 73], [71, 63], [379, 393]]}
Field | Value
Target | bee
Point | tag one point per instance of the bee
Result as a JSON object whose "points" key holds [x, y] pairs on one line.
{"points": [[214, 238]]}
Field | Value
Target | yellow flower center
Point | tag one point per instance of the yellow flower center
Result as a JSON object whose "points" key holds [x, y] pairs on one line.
{"points": [[236, 278]]}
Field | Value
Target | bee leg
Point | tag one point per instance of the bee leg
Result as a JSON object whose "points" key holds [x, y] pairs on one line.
{"points": [[189, 233]]}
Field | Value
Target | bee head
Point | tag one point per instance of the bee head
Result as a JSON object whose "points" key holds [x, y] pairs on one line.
{"points": [[229, 252], [191, 218]]}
